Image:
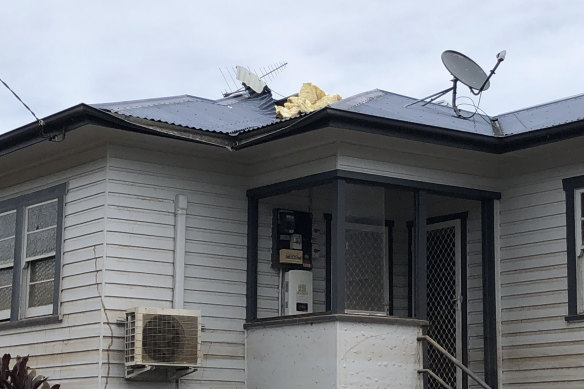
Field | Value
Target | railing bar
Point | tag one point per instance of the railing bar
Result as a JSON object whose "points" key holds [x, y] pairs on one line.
{"points": [[454, 360], [435, 376]]}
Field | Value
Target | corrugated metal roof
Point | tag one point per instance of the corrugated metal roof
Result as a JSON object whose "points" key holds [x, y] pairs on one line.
{"points": [[249, 111], [393, 106], [228, 115], [542, 116]]}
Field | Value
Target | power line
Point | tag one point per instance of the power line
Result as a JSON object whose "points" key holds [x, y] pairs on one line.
{"points": [[40, 122]]}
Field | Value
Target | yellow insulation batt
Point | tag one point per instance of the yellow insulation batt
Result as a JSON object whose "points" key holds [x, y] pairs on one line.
{"points": [[310, 98]]}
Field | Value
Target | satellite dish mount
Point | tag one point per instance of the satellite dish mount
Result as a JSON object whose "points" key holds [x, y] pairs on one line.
{"points": [[466, 71]]}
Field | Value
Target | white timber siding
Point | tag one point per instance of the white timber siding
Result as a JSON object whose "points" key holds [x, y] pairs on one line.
{"points": [[140, 242], [69, 352], [540, 349], [427, 163]]}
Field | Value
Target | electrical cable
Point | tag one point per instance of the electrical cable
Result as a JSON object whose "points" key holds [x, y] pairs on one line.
{"points": [[40, 122], [476, 106]]}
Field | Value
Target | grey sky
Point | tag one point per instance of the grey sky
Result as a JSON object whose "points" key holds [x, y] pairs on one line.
{"points": [[56, 54]]}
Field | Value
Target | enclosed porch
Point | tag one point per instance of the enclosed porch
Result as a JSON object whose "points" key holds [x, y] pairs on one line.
{"points": [[346, 271]]}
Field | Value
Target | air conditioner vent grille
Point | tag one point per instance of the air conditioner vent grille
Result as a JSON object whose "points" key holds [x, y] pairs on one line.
{"points": [[170, 339], [162, 337], [130, 338]]}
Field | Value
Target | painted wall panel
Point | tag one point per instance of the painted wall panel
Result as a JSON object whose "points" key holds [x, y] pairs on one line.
{"points": [[540, 349], [140, 231], [68, 352]]}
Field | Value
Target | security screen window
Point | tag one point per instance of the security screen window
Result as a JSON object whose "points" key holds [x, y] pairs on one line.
{"points": [[579, 215], [39, 259], [30, 254], [7, 241]]}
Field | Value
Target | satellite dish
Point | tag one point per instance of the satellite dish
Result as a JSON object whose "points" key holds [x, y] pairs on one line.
{"points": [[465, 70]]}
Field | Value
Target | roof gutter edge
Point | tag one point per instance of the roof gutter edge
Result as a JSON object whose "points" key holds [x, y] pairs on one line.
{"points": [[309, 122], [413, 131], [542, 136], [75, 117]]}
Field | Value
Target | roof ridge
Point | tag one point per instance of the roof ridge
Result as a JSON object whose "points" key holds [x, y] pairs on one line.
{"points": [[151, 102], [537, 106], [367, 96]]}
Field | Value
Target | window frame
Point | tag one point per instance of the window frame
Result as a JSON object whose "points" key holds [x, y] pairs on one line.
{"points": [[574, 188], [19, 310]]}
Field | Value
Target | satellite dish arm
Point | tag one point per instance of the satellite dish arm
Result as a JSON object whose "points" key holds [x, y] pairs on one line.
{"points": [[431, 97], [500, 58], [456, 110]]}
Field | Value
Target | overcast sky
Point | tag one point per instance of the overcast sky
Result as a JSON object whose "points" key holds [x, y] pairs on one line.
{"points": [[59, 53]]}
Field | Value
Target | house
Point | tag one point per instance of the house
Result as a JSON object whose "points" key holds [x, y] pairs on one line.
{"points": [[320, 250]]}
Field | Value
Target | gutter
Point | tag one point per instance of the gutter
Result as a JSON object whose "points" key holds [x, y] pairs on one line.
{"points": [[59, 124], [413, 131], [309, 122]]}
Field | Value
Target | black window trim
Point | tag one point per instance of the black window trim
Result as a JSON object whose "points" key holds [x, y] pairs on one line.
{"points": [[19, 203], [570, 186]]}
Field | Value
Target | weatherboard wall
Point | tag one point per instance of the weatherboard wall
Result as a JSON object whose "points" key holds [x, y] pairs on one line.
{"points": [[540, 349], [142, 186], [127, 200], [69, 351]]}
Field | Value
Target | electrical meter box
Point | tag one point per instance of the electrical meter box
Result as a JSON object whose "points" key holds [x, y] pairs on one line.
{"points": [[291, 240], [297, 292]]}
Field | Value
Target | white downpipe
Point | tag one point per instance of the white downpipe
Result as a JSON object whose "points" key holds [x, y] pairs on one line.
{"points": [[180, 231]]}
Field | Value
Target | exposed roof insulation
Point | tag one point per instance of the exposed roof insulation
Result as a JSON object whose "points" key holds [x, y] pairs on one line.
{"points": [[310, 98]]}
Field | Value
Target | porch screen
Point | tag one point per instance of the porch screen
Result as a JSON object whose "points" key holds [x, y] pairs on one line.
{"points": [[365, 249]]}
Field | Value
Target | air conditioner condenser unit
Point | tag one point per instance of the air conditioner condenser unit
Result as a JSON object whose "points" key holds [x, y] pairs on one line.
{"points": [[162, 337]]}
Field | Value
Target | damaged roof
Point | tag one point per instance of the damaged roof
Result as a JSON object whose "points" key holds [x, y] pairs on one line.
{"points": [[228, 115], [249, 118], [248, 111]]}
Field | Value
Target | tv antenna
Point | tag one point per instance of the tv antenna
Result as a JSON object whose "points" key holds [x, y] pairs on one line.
{"points": [[466, 71], [250, 78]]}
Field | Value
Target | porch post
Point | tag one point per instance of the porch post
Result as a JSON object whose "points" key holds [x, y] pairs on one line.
{"points": [[489, 292], [252, 259], [420, 262], [338, 286], [421, 271]]}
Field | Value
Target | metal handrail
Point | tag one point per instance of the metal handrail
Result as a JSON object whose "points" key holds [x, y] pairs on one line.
{"points": [[435, 376], [453, 360]]}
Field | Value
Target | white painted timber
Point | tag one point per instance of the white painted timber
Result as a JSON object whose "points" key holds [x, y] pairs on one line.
{"points": [[141, 230], [539, 348]]}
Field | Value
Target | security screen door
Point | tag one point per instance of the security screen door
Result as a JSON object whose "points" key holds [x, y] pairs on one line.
{"points": [[444, 299]]}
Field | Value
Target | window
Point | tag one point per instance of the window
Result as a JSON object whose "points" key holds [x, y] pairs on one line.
{"points": [[574, 191], [30, 254]]}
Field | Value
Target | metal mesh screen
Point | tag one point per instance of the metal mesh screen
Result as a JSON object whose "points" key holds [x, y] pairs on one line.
{"points": [[364, 261], [130, 337], [441, 254], [170, 339]]}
